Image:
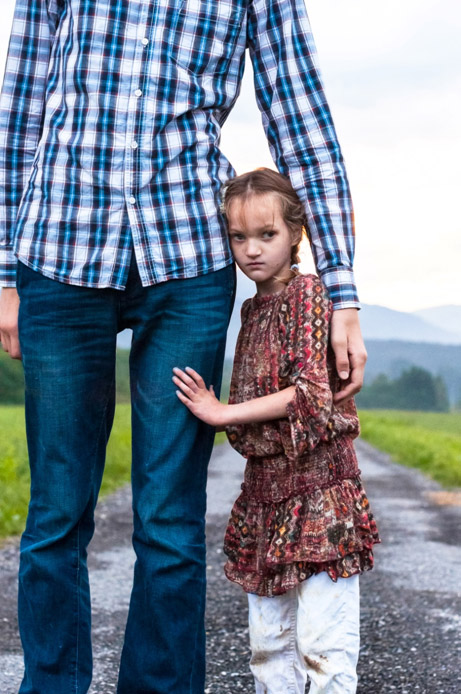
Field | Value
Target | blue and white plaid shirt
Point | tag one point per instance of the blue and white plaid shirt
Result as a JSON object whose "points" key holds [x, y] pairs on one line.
{"points": [[110, 105]]}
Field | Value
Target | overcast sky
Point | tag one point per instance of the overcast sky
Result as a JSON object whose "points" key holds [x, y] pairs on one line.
{"points": [[393, 79]]}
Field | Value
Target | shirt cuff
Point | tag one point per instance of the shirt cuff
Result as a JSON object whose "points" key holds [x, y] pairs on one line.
{"points": [[8, 265], [340, 284]]}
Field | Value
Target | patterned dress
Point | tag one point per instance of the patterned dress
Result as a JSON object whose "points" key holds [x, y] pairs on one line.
{"points": [[302, 508]]}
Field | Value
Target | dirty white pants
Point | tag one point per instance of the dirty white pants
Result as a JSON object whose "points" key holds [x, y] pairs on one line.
{"points": [[312, 630]]}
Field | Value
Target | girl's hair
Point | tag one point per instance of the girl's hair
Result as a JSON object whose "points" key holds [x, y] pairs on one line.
{"points": [[264, 182]]}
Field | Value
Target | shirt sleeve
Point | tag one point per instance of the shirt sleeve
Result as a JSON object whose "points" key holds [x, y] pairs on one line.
{"points": [[21, 109], [302, 138]]}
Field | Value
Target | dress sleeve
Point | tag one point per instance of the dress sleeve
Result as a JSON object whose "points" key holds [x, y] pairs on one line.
{"points": [[305, 330]]}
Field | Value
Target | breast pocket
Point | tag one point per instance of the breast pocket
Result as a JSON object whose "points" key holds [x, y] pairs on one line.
{"points": [[205, 35]]}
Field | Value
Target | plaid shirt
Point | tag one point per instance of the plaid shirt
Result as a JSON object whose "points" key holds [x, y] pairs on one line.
{"points": [[112, 108]]}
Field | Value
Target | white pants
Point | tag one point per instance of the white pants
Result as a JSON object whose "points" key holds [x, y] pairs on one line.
{"points": [[313, 630]]}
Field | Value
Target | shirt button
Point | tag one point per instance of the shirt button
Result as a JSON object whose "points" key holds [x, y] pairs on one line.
{"points": [[134, 145], [145, 42], [132, 200], [138, 92]]}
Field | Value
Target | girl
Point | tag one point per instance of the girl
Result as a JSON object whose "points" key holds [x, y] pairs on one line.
{"points": [[300, 532]]}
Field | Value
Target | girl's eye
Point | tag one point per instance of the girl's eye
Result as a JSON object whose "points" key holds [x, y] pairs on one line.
{"points": [[268, 234], [237, 237]]}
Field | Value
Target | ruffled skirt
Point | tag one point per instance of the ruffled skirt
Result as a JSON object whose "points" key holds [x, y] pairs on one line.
{"points": [[274, 545]]}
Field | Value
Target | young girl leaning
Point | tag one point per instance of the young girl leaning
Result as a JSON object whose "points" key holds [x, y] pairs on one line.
{"points": [[301, 531]]}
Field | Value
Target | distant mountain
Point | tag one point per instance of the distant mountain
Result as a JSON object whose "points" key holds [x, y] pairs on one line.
{"points": [[381, 323], [395, 340], [440, 325], [377, 322], [444, 317]]}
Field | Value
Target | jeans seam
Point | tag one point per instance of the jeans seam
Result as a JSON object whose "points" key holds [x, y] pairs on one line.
{"points": [[77, 644], [197, 635]]}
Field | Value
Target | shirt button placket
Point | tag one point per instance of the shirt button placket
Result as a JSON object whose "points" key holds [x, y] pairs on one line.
{"points": [[132, 136]]}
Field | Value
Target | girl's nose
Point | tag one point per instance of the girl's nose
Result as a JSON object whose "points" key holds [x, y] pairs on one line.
{"points": [[253, 249]]}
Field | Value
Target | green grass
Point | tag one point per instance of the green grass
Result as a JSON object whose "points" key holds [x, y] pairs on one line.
{"points": [[428, 441], [14, 467], [220, 438], [14, 470]]}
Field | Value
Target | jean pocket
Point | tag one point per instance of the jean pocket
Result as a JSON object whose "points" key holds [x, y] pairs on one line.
{"points": [[25, 275], [206, 34]]}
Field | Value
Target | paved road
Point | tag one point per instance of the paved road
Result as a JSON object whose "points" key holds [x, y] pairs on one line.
{"points": [[411, 601]]}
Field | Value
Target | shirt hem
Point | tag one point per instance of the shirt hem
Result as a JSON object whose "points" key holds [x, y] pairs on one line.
{"points": [[121, 287]]}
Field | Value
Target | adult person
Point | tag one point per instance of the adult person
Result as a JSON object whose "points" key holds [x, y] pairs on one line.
{"points": [[110, 117]]}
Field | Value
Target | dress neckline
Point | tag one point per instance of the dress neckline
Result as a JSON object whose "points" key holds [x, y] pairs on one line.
{"points": [[258, 301]]}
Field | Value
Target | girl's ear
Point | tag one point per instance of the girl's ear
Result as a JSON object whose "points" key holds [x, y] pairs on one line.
{"points": [[296, 236]]}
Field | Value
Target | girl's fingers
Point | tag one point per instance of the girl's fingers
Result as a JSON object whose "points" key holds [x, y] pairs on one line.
{"points": [[184, 387], [197, 378], [183, 398], [192, 378], [185, 378]]}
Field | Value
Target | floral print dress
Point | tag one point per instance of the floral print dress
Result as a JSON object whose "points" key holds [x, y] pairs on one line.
{"points": [[302, 508]]}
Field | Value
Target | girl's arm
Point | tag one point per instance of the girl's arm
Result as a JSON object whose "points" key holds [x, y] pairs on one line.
{"points": [[205, 405]]}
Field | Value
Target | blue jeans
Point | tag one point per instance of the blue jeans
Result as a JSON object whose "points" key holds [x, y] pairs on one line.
{"points": [[68, 342]]}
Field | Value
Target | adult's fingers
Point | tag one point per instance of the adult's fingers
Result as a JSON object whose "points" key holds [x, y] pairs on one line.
{"points": [[339, 345], [352, 387], [10, 343], [350, 352], [355, 382], [9, 308]]}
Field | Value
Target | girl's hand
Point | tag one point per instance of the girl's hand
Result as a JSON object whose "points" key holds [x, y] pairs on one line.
{"points": [[201, 402]]}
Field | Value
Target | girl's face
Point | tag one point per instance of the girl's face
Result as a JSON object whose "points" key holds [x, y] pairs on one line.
{"points": [[260, 240]]}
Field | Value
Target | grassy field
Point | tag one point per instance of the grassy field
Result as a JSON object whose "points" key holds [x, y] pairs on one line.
{"points": [[14, 469], [426, 440], [430, 442]]}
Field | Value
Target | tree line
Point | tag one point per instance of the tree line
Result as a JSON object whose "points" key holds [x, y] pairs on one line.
{"points": [[414, 389]]}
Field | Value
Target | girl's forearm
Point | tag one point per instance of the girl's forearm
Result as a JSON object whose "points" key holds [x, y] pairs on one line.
{"points": [[265, 408]]}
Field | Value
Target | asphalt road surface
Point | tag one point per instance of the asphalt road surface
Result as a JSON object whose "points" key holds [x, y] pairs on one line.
{"points": [[411, 601]]}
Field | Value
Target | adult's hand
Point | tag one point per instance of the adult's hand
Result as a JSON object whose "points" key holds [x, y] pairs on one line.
{"points": [[350, 352], [9, 309]]}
